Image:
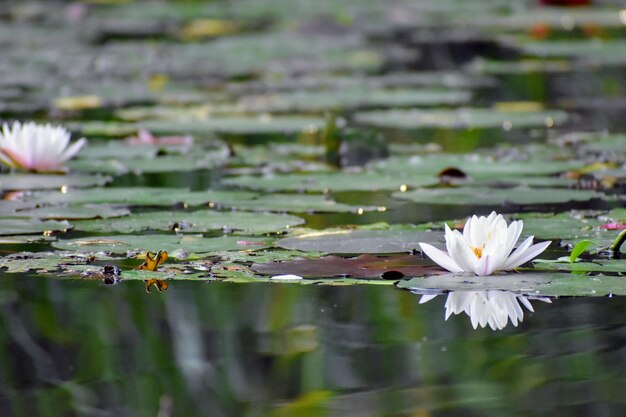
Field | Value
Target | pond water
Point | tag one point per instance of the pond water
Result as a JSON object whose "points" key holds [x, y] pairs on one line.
{"points": [[241, 234], [80, 348]]}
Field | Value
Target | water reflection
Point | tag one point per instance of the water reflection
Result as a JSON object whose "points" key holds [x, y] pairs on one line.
{"points": [[494, 308]]}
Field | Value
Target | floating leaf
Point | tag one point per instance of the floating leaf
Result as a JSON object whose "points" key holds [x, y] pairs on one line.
{"points": [[364, 266], [153, 260], [192, 222], [477, 196], [46, 182], [322, 182], [89, 211], [468, 118], [360, 241], [170, 243], [345, 99], [140, 196], [31, 226]]}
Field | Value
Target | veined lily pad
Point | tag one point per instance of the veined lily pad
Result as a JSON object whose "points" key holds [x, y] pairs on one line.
{"points": [[90, 211], [169, 163], [47, 182], [42, 261], [196, 127], [594, 50], [296, 203], [154, 243], [140, 196], [553, 284], [192, 222], [364, 266], [322, 182], [604, 265], [469, 118], [360, 241], [476, 166], [351, 99], [477, 196], [31, 226]]}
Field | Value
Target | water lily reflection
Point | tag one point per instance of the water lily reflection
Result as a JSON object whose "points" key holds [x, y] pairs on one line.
{"points": [[494, 308]]}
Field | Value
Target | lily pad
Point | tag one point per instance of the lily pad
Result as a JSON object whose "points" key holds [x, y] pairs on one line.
{"points": [[296, 203], [553, 284], [140, 196], [467, 118], [604, 266], [31, 226], [348, 99], [360, 241], [170, 243], [478, 166], [233, 125], [364, 266], [477, 196], [168, 163], [192, 222], [47, 182], [90, 211], [324, 182]]}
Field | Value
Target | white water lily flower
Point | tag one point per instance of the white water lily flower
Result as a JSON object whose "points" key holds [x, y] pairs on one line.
{"points": [[34, 147], [493, 308], [485, 246]]}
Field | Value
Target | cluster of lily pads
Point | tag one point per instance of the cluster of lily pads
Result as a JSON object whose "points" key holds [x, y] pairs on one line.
{"points": [[294, 155]]}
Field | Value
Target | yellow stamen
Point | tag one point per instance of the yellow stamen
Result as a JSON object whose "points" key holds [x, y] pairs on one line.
{"points": [[478, 252]]}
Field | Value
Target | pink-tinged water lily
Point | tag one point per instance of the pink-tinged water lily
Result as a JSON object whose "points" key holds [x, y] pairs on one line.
{"points": [[33, 147], [492, 308], [486, 246]]}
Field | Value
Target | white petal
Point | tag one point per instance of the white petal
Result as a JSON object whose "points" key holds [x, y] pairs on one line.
{"points": [[527, 255], [72, 150], [518, 253], [460, 252], [427, 297], [440, 257], [485, 266]]}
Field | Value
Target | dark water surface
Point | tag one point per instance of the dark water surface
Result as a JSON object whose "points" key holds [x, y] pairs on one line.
{"points": [[81, 348]]}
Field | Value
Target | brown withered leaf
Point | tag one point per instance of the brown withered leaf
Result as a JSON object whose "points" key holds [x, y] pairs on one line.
{"points": [[363, 266], [153, 261]]}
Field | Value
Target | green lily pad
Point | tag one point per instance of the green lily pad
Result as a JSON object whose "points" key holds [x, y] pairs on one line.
{"points": [[42, 261], [170, 243], [551, 284], [296, 203], [594, 50], [604, 265], [139, 196], [573, 227], [468, 118], [89, 211], [232, 125], [18, 240], [477, 166], [46, 182], [323, 182], [477, 196], [360, 241], [168, 163], [192, 222], [31, 226], [346, 99]]}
